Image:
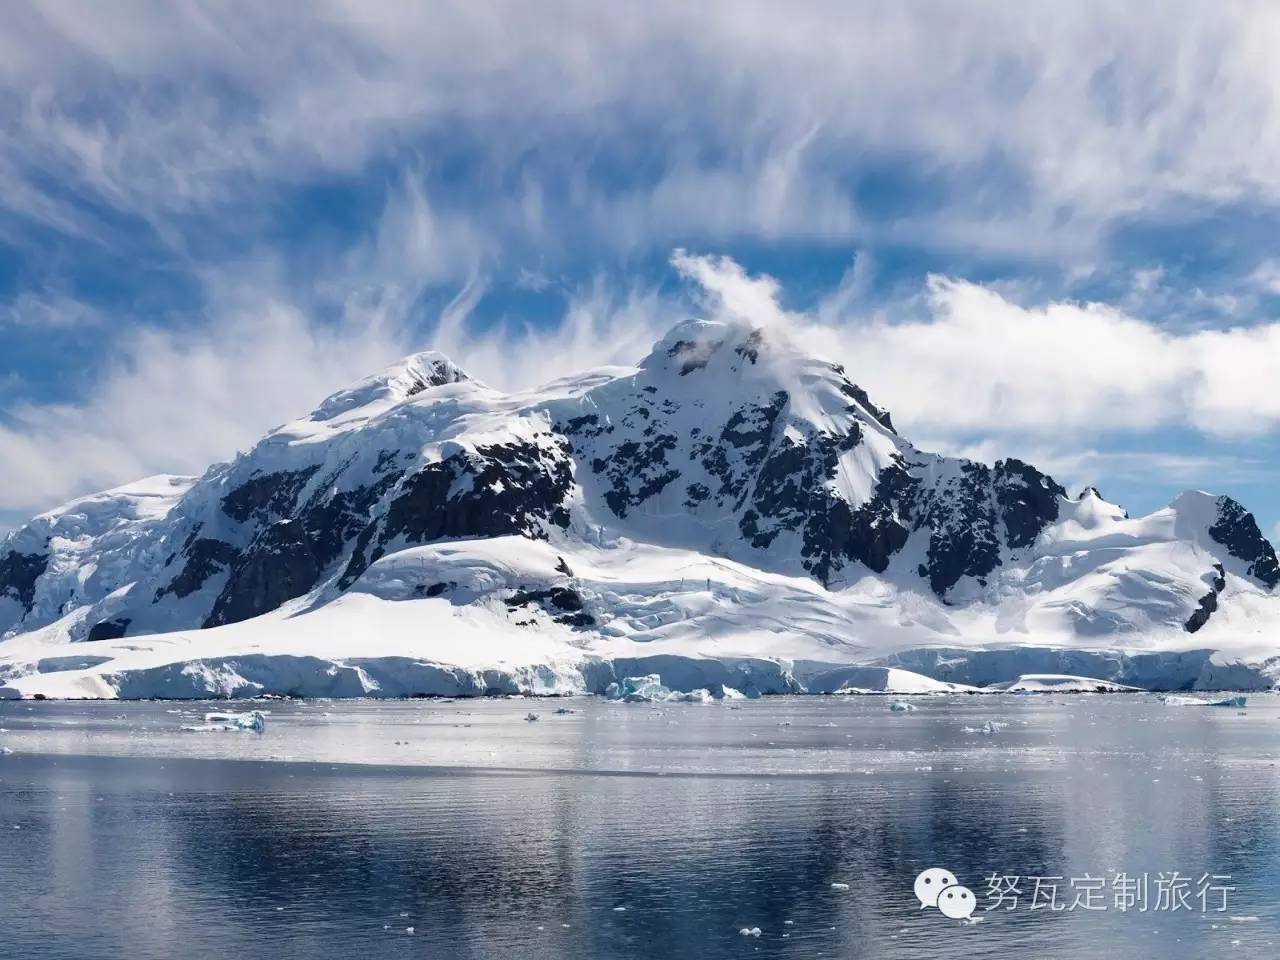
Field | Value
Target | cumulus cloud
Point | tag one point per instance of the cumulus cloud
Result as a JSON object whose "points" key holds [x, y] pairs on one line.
{"points": [[979, 362]]}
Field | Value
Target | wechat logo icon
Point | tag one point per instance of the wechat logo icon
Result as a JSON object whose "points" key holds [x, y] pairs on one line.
{"points": [[939, 888]]}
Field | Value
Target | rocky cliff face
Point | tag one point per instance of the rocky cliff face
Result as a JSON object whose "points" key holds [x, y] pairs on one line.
{"points": [[725, 441]]}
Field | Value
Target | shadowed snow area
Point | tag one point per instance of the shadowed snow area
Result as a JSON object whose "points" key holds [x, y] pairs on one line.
{"points": [[732, 512]]}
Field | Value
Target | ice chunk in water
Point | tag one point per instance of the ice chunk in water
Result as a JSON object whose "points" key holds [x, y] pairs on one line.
{"points": [[1175, 701], [646, 689], [901, 706], [988, 728], [701, 695], [650, 689], [254, 721], [1228, 702], [750, 931]]}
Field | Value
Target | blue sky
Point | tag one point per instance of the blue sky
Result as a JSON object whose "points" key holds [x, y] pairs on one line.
{"points": [[1044, 231]]}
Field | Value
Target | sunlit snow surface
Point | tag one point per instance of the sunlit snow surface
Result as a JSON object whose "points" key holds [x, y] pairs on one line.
{"points": [[657, 563], [347, 822]]}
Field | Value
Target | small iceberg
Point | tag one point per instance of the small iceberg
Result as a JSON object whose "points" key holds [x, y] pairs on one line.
{"points": [[650, 689], [988, 728], [701, 695], [1059, 683], [1237, 702], [901, 706], [646, 689], [254, 721], [531, 717]]}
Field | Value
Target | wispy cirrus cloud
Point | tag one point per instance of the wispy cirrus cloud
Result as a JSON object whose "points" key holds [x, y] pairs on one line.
{"points": [[361, 179], [1020, 124]]}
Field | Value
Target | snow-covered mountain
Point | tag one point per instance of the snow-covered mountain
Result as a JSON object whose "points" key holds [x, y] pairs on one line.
{"points": [[732, 509]]}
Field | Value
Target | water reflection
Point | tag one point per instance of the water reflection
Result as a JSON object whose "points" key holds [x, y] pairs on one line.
{"points": [[143, 853]]}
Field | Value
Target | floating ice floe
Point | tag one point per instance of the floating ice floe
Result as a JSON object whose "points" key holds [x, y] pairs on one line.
{"points": [[840, 886], [901, 706], [254, 721], [750, 931], [650, 689], [564, 711], [1173, 701], [1059, 683], [531, 717], [988, 728]]}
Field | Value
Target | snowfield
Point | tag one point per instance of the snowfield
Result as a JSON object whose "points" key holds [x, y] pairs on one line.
{"points": [[731, 513]]}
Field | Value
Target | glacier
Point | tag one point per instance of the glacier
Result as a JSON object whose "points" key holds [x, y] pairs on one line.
{"points": [[731, 513]]}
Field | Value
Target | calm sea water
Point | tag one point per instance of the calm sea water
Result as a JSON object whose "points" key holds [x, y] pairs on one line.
{"points": [[635, 831]]}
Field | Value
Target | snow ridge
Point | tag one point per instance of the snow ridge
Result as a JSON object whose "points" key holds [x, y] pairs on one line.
{"points": [[731, 498]]}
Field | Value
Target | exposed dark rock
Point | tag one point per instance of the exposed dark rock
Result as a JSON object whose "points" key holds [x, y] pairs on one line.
{"points": [[635, 472], [1237, 530], [1028, 500], [566, 598], [964, 540], [691, 355], [695, 494], [280, 565], [503, 489], [586, 425], [554, 600], [18, 575], [109, 629], [266, 496], [205, 557], [437, 374], [563, 567], [1209, 602], [855, 392], [749, 349]]}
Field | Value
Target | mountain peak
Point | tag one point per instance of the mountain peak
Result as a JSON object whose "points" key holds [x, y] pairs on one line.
{"points": [[401, 380], [695, 344]]}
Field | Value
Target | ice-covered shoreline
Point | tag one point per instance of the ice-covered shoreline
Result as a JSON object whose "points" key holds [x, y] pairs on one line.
{"points": [[943, 671]]}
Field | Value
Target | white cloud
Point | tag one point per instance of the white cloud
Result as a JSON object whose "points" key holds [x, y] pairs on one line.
{"points": [[980, 363], [174, 402], [49, 310], [600, 327], [1045, 383], [1055, 118]]}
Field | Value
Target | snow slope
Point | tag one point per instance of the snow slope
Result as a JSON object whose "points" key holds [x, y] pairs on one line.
{"points": [[729, 511]]}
